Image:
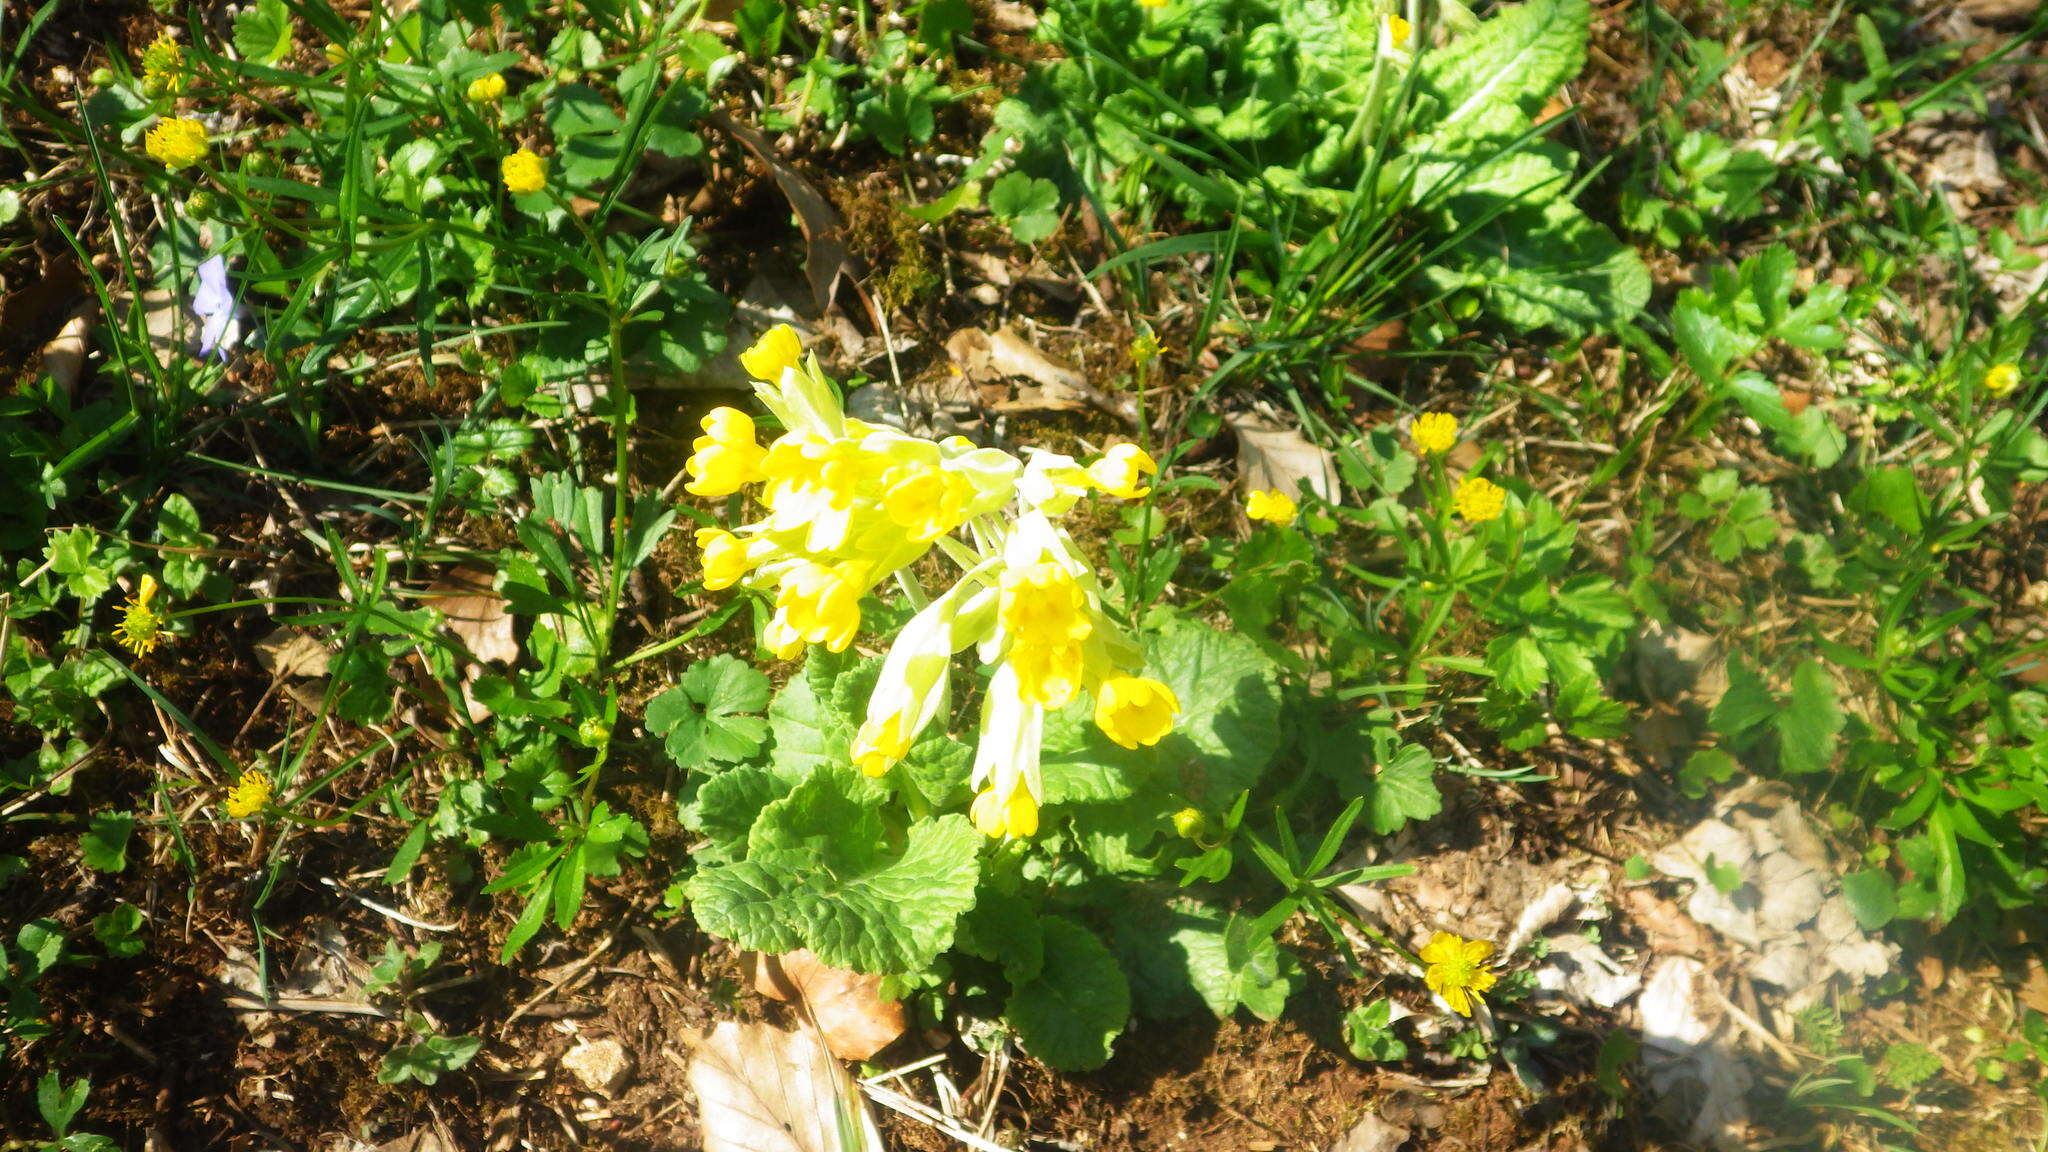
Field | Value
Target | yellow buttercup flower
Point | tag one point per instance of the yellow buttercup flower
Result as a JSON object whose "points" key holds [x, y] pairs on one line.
{"points": [[1479, 499], [1014, 815], [249, 795], [523, 172], [1434, 433], [163, 67], [778, 350], [141, 626], [486, 89], [726, 458], [1144, 349], [1457, 969], [1272, 506], [1122, 470], [2001, 379], [176, 142], [1398, 31], [1135, 711]]}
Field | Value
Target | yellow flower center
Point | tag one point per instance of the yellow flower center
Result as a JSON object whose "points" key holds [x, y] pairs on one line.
{"points": [[141, 626], [1456, 969], [1434, 433], [524, 173], [1479, 499], [928, 503], [250, 793], [176, 142]]}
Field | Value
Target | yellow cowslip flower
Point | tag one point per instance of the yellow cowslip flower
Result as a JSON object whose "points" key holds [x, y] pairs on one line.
{"points": [[523, 172], [821, 604], [727, 559], [1046, 614], [142, 626], [1398, 31], [777, 351], [1135, 711], [910, 691], [726, 458], [878, 747], [176, 142], [1272, 506], [1457, 969], [486, 89], [249, 795], [1122, 470], [2001, 379], [163, 67], [1012, 814], [927, 502], [1434, 433], [1479, 499]]}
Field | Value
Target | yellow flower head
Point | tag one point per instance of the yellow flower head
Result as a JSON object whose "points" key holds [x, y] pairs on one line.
{"points": [[1121, 471], [876, 747], [163, 67], [727, 559], [1457, 969], [1434, 433], [1135, 711], [778, 350], [176, 142], [1046, 613], [821, 604], [249, 795], [1398, 31], [2002, 379], [1012, 815], [486, 89], [523, 172], [1272, 506], [1479, 499], [141, 626], [927, 502], [1144, 349], [726, 458]]}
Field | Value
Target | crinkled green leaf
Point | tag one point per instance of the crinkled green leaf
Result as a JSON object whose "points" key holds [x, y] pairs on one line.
{"points": [[1073, 1012]]}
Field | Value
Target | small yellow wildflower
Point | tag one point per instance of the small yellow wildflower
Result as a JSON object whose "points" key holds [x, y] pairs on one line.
{"points": [[486, 89], [2002, 379], [1398, 31], [1434, 433], [249, 795], [1151, 3], [1121, 469], [141, 626], [726, 558], [1479, 499], [176, 142], [163, 67], [336, 54], [524, 173], [1457, 969], [1014, 815], [1272, 506], [1144, 349], [727, 457], [777, 351], [1135, 711]]}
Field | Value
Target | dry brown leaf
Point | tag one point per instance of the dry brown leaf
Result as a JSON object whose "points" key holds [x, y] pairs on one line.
{"points": [[847, 1006], [760, 1089], [827, 260], [64, 356], [985, 357], [290, 651], [476, 614], [1271, 455], [1371, 1134]]}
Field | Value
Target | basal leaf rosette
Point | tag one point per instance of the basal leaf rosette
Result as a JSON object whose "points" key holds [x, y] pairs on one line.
{"points": [[846, 506]]}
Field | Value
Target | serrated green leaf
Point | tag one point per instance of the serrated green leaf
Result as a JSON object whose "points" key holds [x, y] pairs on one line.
{"points": [[1403, 787], [1811, 722], [705, 716], [1493, 80], [263, 33], [894, 914], [1070, 1016], [105, 843], [727, 805]]}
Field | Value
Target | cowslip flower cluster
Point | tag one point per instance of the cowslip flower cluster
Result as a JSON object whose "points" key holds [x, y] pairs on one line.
{"points": [[850, 505]]}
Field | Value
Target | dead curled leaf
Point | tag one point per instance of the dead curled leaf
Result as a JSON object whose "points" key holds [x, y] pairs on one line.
{"points": [[985, 357], [827, 260], [847, 1006], [64, 356], [1272, 455], [476, 614], [760, 1089]]}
